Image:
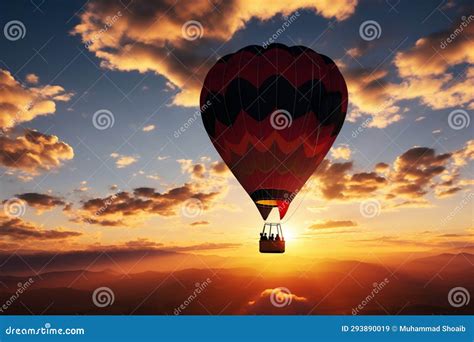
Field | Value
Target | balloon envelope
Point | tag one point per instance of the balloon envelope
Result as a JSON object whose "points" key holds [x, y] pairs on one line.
{"points": [[273, 114]]}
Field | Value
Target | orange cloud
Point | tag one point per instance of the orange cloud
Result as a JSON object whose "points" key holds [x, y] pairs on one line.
{"points": [[159, 36], [200, 223], [19, 103], [430, 56], [33, 151], [369, 94], [426, 75], [32, 79], [412, 176], [15, 229], [278, 301], [333, 224]]}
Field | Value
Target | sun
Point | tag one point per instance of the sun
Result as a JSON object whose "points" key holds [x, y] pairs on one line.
{"points": [[289, 233]]}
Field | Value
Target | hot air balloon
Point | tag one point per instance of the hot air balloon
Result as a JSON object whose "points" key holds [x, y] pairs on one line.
{"points": [[272, 114]]}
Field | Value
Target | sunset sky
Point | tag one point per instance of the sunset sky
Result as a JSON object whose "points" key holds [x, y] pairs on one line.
{"points": [[399, 177]]}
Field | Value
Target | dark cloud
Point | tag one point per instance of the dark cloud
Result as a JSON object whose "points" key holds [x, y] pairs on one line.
{"points": [[413, 175], [16, 229], [337, 183], [199, 223], [123, 207], [416, 169], [41, 201]]}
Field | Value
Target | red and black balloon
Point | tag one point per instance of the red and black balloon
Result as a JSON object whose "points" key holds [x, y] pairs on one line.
{"points": [[273, 114]]}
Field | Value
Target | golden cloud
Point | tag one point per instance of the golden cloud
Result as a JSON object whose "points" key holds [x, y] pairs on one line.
{"points": [[148, 36], [33, 151], [333, 224], [19, 103], [426, 75], [430, 56], [342, 151]]}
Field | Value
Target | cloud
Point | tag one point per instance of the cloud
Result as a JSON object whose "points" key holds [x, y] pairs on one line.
{"points": [[20, 104], [199, 223], [219, 167], [369, 94], [42, 202], [407, 182], [196, 171], [125, 208], [333, 224], [82, 188], [148, 36], [464, 155], [29, 152], [122, 161], [341, 152], [15, 229], [426, 71], [415, 169], [33, 151], [429, 57], [203, 247], [278, 301], [148, 128], [335, 182], [144, 244], [32, 79]]}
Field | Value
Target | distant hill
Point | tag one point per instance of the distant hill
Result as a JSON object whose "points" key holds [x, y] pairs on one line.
{"points": [[330, 287]]}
